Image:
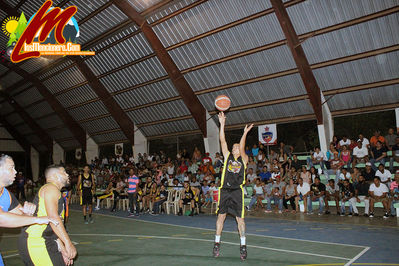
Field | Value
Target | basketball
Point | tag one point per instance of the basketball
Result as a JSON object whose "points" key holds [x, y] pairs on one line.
{"points": [[222, 103]]}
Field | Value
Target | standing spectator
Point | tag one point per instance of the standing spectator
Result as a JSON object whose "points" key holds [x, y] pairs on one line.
{"points": [[395, 193], [384, 175], [303, 190], [360, 154], [317, 158], [378, 193], [133, 182], [361, 195], [378, 155], [317, 191], [296, 163], [395, 154], [344, 142], [289, 195], [368, 173], [20, 180], [390, 139], [332, 193], [347, 192], [365, 142], [376, 138]]}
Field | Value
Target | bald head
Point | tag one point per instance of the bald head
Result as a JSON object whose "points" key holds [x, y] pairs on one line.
{"points": [[56, 174], [7, 170]]}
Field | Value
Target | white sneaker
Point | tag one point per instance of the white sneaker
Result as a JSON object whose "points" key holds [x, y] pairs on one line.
{"points": [[97, 208]]}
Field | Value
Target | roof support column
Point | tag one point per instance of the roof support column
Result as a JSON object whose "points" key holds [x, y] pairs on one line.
{"points": [[211, 142], [140, 144], [397, 119], [58, 153], [326, 130], [91, 149], [34, 161]]}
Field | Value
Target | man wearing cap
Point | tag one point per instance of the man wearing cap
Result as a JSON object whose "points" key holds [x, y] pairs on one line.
{"points": [[368, 173], [360, 154], [394, 188]]}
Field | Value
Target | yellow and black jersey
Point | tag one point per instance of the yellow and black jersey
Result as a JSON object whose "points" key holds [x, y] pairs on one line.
{"points": [[87, 182], [188, 194], [147, 188], [233, 175], [44, 230]]}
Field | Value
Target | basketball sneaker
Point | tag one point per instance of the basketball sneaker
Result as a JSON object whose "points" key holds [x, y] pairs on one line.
{"points": [[243, 252], [216, 250]]}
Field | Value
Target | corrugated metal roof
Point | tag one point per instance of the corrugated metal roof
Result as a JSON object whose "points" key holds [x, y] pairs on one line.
{"points": [[65, 62], [246, 36], [60, 133], [23, 129], [98, 125], [85, 8], [141, 5], [121, 54], [264, 113], [122, 33], [14, 119], [29, 96], [170, 127], [375, 34], [266, 90], [10, 79], [110, 137], [88, 111], [365, 98], [144, 71], [367, 70], [314, 14], [21, 88], [3, 69], [34, 64], [169, 9], [251, 66], [50, 121], [205, 17], [6, 108], [13, 3], [69, 144], [100, 23], [81, 94], [146, 94], [33, 139], [39, 109], [64, 80], [159, 112]]}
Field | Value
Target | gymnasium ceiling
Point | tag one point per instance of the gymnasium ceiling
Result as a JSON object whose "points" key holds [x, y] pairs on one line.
{"points": [[230, 47]]}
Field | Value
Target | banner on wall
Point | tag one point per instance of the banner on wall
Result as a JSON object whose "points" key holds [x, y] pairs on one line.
{"points": [[119, 149], [268, 134], [78, 154]]}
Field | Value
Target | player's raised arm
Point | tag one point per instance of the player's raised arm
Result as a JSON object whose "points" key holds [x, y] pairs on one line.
{"points": [[223, 143], [244, 156]]}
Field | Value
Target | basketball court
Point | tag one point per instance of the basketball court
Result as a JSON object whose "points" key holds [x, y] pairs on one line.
{"points": [[173, 240]]}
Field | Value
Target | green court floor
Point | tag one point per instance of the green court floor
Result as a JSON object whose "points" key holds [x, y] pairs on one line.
{"points": [[128, 241]]}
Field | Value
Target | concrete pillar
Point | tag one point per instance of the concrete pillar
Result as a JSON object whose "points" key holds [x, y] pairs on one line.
{"points": [[397, 119], [91, 149], [34, 160], [58, 153], [326, 130], [211, 142], [140, 143]]}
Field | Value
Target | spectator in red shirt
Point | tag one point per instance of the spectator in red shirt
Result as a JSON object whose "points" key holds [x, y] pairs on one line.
{"points": [[206, 159], [183, 167]]}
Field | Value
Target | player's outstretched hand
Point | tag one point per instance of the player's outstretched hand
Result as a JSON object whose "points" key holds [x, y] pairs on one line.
{"points": [[222, 118], [46, 220], [248, 128], [28, 208]]}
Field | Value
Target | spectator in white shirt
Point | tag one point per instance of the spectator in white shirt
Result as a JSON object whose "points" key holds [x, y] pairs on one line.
{"points": [[303, 190], [345, 175], [104, 162], [257, 196], [317, 158], [344, 141], [365, 141], [383, 174], [378, 193], [360, 154], [251, 176]]}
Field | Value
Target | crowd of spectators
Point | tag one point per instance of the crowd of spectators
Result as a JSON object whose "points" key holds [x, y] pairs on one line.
{"points": [[276, 177]]}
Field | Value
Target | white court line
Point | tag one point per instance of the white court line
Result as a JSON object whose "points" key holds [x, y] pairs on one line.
{"points": [[357, 256], [265, 236], [208, 240]]}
